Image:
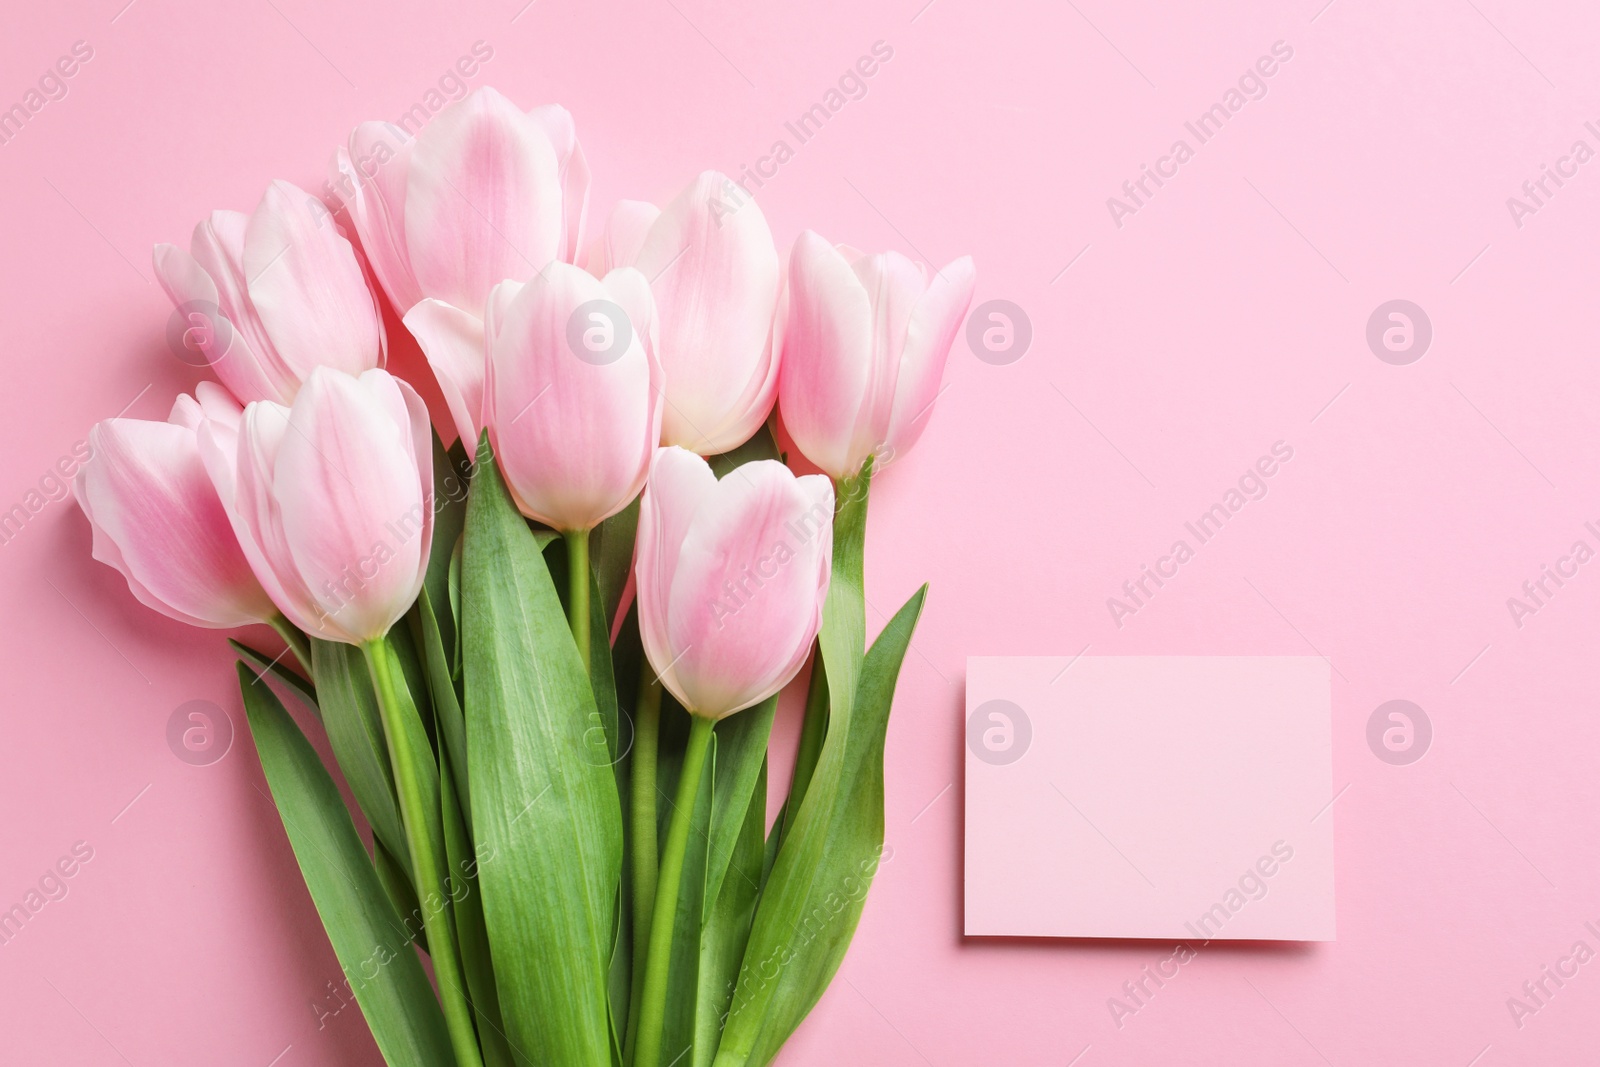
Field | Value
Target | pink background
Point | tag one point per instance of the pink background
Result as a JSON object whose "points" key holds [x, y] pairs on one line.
{"points": [[1227, 314]]}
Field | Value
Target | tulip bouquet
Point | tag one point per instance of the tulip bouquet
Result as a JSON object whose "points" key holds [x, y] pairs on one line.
{"points": [[547, 659]]}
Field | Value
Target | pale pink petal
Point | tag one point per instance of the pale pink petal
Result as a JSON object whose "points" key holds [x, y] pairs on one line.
{"points": [[743, 602], [452, 340], [893, 284], [558, 126], [680, 483], [306, 285], [619, 243], [352, 508], [827, 359], [933, 327], [370, 180], [483, 200], [218, 246], [158, 520], [715, 275], [571, 427]]}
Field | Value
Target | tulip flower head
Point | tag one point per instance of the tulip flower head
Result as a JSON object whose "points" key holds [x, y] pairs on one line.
{"points": [[865, 348], [266, 298], [573, 403], [484, 193], [157, 519], [731, 577], [332, 501], [718, 289]]}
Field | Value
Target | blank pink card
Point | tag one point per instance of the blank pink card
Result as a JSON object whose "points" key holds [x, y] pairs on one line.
{"points": [[1149, 796]]}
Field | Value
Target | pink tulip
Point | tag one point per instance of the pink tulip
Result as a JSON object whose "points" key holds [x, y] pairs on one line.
{"points": [[332, 500], [484, 193], [156, 517], [865, 348], [270, 296], [718, 288], [731, 577], [573, 402]]}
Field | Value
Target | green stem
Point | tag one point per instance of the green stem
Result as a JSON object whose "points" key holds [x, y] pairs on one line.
{"points": [[642, 829], [426, 862], [653, 1005], [294, 639], [578, 590]]}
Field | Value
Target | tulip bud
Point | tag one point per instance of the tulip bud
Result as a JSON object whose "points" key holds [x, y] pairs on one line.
{"points": [[718, 290], [332, 500], [866, 345], [156, 517], [573, 402], [484, 193], [273, 295], [731, 577]]}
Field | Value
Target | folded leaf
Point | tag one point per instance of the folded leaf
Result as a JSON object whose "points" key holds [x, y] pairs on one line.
{"points": [[265, 664], [727, 928], [540, 798], [381, 967], [355, 731], [813, 898]]}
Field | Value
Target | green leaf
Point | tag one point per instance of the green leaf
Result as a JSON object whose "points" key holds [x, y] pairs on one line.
{"points": [[449, 515], [727, 928], [539, 797], [446, 701], [302, 689], [611, 549], [812, 731], [741, 757], [355, 731], [683, 982], [813, 898], [472, 935], [396, 881], [380, 966]]}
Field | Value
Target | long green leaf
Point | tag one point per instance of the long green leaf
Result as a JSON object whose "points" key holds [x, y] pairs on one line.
{"points": [[741, 757], [355, 731], [539, 796], [611, 549], [727, 928], [813, 899], [304, 690], [477, 964], [381, 967], [446, 700]]}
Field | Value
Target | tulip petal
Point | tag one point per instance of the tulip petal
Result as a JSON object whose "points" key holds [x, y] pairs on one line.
{"points": [[580, 455], [932, 329], [307, 287], [827, 362], [452, 340], [743, 606], [556, 121], [370, 179], [224, 347], [714, 272], [483, 200], [157, 519], [218, 246], [619, 244], [680, 483], [353, 511]]}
